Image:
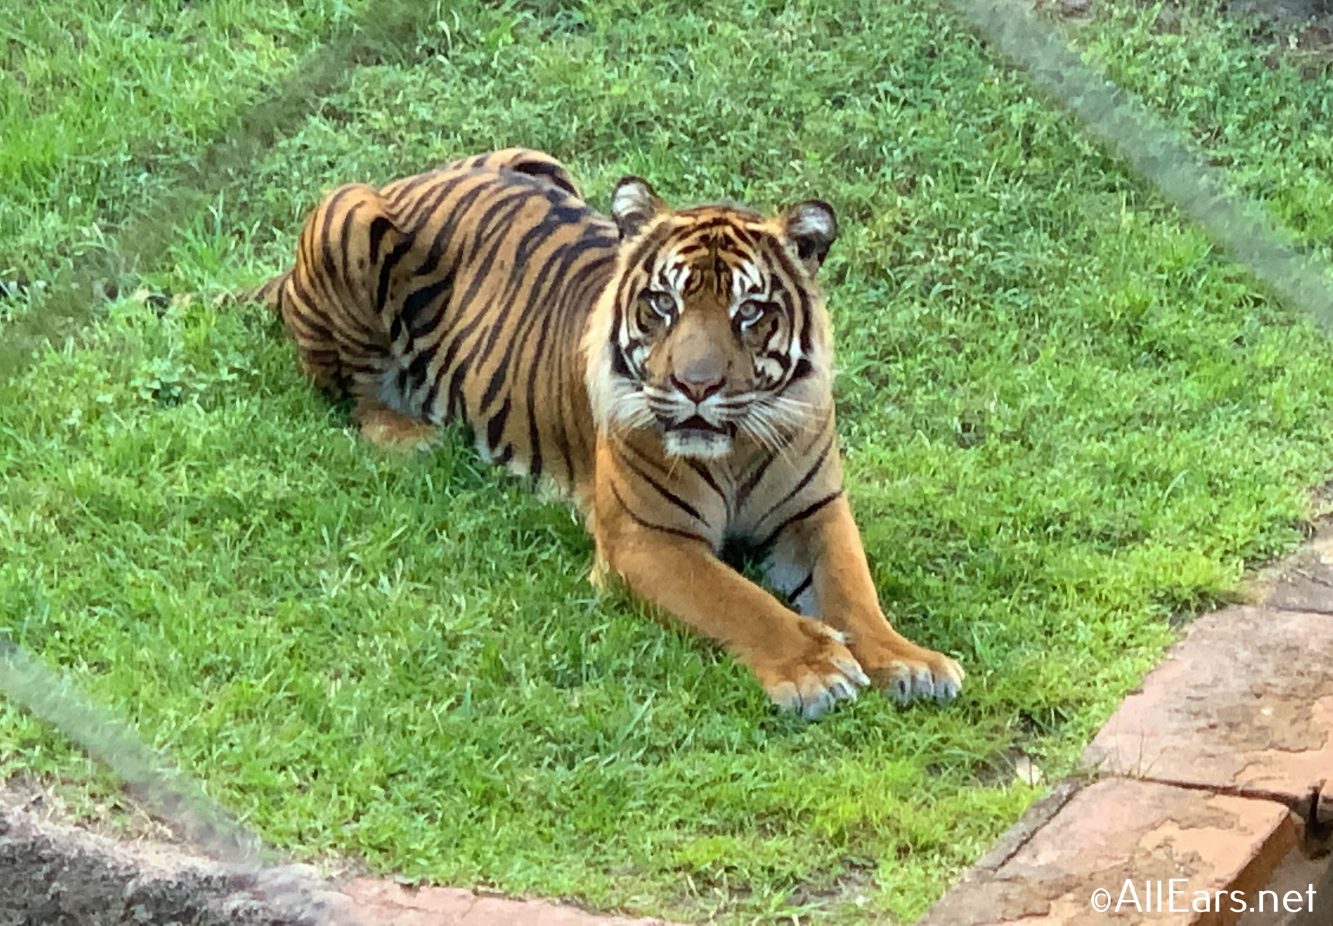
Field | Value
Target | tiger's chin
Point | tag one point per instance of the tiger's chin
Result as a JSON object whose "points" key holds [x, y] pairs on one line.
{"points": [[704, 442]]}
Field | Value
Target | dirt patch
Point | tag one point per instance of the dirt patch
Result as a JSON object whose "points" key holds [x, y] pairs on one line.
{"points": [[1286, 9], [56, 875]]}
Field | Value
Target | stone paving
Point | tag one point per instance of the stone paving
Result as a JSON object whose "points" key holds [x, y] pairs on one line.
{"points": [[1204, 780], [378, 902]]}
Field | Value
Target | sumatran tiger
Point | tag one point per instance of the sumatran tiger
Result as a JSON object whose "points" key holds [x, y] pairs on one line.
{"points": [[668, 370]]}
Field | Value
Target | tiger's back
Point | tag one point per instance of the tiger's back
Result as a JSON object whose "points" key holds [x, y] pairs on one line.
{"points": [[463, 294]]}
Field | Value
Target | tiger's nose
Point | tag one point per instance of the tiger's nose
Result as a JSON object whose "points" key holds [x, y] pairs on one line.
{"points": [[699, 379]]}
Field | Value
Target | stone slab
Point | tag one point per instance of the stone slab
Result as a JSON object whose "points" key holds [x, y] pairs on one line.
{"points": [[380, 902], [1303, 581], [1116, 832], [1243, 704]]}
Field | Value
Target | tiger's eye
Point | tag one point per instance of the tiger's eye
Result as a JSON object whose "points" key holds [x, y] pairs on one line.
{"points": [[655, 309], [664, 304], [747, 313]]}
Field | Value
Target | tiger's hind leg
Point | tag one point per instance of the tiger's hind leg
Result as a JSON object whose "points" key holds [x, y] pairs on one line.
{"points": [[331, 305], [385, 427], [317, 353]]}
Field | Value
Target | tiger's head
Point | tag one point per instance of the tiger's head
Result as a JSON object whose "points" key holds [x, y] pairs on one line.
{"points": [[712, 327]]}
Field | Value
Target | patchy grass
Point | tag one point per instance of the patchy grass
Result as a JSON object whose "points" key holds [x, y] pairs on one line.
{"points": [[1068, 422]]}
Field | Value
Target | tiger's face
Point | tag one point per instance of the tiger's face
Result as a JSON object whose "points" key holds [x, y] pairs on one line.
{"points": [[712, 326]]}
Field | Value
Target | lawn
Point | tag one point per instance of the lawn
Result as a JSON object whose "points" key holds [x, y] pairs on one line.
{"points": [[1070, 425]]}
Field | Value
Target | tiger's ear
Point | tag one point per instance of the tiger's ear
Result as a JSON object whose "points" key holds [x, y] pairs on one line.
{"points": [[633, 204], [812, 227]]}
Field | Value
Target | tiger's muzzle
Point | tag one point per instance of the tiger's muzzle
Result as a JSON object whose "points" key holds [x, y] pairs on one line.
{"points": [[693, 409]]}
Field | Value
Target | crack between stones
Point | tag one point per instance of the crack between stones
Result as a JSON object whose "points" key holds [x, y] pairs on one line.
{"points": [[1292, 609], [1314, 577], [1291, 802]]}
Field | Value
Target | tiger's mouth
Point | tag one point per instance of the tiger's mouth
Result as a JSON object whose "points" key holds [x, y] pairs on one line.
{"points": [[700, 423]]}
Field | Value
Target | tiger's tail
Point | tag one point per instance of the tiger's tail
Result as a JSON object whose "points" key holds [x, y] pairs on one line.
{"points": [[269, 292]]}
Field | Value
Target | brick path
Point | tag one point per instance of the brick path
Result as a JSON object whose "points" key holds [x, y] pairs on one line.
{"points": [[377, 902]]}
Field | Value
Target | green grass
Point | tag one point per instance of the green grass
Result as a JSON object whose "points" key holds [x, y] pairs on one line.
{"points": [[1068, 423]]}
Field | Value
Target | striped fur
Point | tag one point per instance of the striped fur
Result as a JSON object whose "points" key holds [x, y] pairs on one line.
{"points": [[667, 370]]}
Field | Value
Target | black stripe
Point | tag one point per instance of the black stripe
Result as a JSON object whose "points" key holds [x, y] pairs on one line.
{"points": [[495, 428], [802, 369], [561, 264], [321, 324], [746, 487], [777, 254], [425, 208], [344, 240], [513, 336], [326, 226], [656, 238], [562, 444], [406, 188], [458, 336], [535, 448], [498, 320], [661, 489], [534, 434], [675, 532], [499, 377], [495, 217], [421, 299], [415, 374], [799, 516], [707, 476], [801, 589], [554, 266], [746, 236], [456, 399], [620, 365], [386, 271], [554, 172], [809, 474], [802, 312]]}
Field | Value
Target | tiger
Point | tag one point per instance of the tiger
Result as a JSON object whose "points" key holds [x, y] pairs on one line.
{"points": [[669, 371]]}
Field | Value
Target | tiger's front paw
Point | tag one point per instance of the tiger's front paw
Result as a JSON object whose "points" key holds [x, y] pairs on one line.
{"points": [[905, 671], [815, 675]]}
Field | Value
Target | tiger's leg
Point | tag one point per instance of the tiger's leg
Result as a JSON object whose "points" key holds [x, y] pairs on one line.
{"points": [[393, 430], [327, 300], [328, 304], [820, 564], [801, 664]]}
